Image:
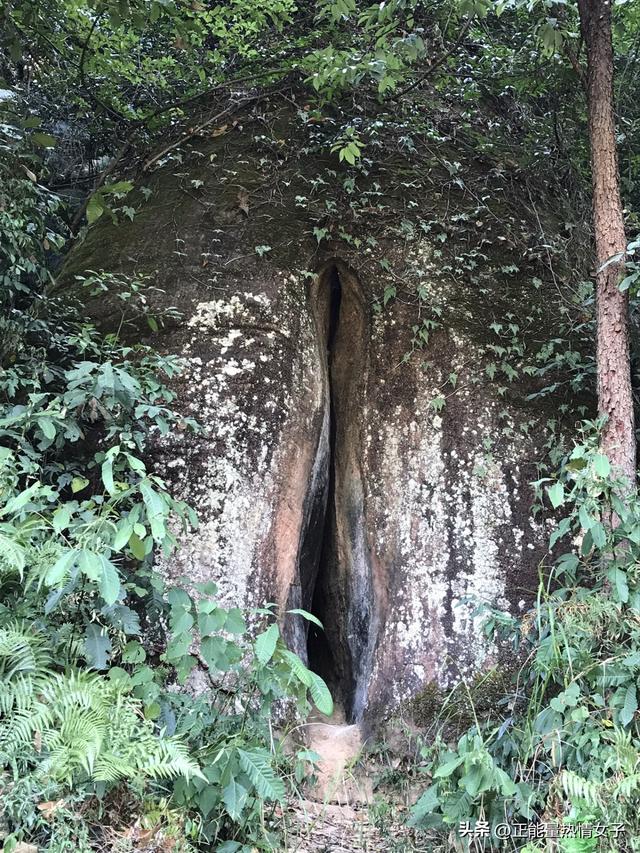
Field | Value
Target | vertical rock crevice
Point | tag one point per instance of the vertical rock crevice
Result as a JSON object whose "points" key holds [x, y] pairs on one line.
{"points": [[334, 565]]}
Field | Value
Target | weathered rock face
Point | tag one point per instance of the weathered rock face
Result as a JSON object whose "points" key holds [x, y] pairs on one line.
{"points": [[360, 456]]}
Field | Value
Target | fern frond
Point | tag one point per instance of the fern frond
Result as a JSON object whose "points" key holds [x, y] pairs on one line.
{"points": [[627, 787], [578, 788], [88, 727], [256, 763]]}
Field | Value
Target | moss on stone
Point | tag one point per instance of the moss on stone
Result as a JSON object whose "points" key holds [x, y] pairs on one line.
{"points": [[458, 708]]}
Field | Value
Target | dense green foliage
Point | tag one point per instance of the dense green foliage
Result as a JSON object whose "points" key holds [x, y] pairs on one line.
{"points": [[95, 654], [564, 741], [96, 714]]}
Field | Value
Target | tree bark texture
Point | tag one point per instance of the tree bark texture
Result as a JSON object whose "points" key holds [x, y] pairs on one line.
{"points": [[615, 400]]}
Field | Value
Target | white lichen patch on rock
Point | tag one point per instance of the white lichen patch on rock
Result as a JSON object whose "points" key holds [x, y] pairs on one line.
{"points": [[229, 472], [444, 508]]}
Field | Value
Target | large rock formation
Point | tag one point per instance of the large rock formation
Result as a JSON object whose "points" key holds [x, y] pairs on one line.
{"points": [[355, 346]]}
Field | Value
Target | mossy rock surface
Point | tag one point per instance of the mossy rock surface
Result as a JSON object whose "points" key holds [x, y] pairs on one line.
{"points": [[441, 253]]}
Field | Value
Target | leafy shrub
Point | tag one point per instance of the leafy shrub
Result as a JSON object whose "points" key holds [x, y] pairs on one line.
{"points": [[568, 740], [95, 653]]}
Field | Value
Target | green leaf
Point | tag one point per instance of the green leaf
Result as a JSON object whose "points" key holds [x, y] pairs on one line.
{"points": [[78, 484], [89, 564], [256, 763], [178, 597], [234, 622], [123, 535], [601, 465], [564, 526], [568, 563], [137, 547], [297, 667], [118, 188], [265, 644], [320, 694], [447, 769], [586, 519], [213, 651], [389, 293], [20, 500], [133, 652], [156, 510], [181, 621], [308, 616], [44, 140], [107, 475], [556, 495], [234, 798], [630, 706], [95, 208], [61, 517], [618, 580], [425, 806], [209, 623], [109, 581], [48, 427], [61, 568], [599, 535], [97, 646]]}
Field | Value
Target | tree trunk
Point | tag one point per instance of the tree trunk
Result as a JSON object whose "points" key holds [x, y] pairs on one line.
{"points": [[615, 400]]}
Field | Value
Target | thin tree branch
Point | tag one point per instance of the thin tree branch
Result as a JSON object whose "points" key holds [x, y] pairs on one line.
{"points": [[196, 130], [436, 64], [111, 165], [83, 79], [181, 103]]}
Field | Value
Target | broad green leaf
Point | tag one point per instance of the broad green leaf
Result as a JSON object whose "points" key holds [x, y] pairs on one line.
{"points": [[425, 806], [78, 484], [630, 706], [234, 798], [133, 652], [107, 475], [20, 500], [618, 580], [265, 644], [234, 622], [213, 651], [601, 465], [181, 620], [156, 510], [95, 208], [61, 517], [209, 623], [448, 768], [178, 597], [44, 140], [320, 694], [89, 564], [108, 581], [123, 535], [556, 495], [61, 568], [48, 427], [97, 646], [599, 535], [137, 546]]}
